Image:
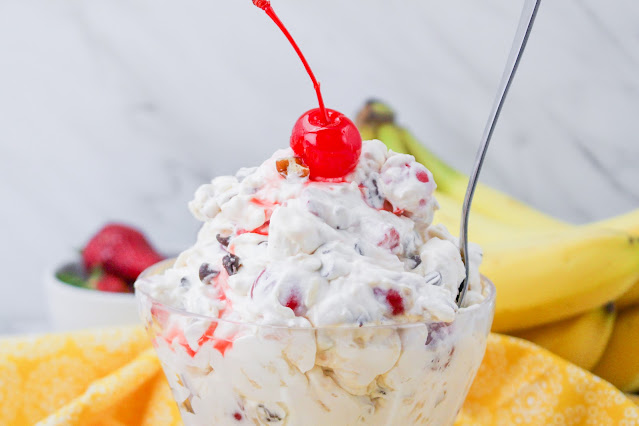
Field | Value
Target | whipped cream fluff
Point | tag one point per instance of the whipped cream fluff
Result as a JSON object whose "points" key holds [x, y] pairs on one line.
{"points": [[280, 255]]}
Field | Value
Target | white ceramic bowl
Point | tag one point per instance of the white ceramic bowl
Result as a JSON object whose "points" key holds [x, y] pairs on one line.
{"points": [[73, 308]]}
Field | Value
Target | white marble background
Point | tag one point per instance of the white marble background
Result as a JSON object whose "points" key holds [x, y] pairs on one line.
{"points": [[119, 109]]}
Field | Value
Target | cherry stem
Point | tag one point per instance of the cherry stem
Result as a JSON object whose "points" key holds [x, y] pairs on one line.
{"points": [[265, 5]]}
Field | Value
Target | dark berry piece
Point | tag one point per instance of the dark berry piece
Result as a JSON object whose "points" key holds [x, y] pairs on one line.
{"points": [[231, 263], [223, 240], [237, 416], [208, 273]]}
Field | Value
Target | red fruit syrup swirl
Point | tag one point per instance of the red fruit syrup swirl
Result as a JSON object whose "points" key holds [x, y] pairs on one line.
{"points": [[326, 140]]}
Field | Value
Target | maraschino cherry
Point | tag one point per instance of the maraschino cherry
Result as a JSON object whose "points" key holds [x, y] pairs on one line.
{"points": [[327, 141]]}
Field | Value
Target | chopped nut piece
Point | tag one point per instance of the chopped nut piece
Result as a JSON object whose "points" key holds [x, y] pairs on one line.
{"points": [[186, 405], [291, 166]]}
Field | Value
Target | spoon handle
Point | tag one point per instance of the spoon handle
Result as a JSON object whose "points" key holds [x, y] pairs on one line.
{"points": [[519, 43]]}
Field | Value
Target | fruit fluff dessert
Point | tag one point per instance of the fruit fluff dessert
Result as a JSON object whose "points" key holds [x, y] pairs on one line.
{"points": [[318, 301], [318, 292]]}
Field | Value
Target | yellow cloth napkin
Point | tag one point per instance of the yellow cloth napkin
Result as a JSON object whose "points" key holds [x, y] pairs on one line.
{"points": [[112, 377]]}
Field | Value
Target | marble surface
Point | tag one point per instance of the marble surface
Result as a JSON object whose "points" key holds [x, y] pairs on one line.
{"points": [[118, 110]]}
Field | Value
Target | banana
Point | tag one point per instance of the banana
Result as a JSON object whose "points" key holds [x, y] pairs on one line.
{"points": [[371, 117], [580, 340], [628, 222], [620, 363], [633, 397], [387, 134], [556, 275], [487, 201], [629, 298]]}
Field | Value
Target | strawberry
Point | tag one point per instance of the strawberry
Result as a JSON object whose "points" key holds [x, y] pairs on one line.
{"points": [[119, 250], [105, 281]]}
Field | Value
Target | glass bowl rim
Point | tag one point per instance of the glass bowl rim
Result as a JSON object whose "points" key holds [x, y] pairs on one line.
{"points": [[161, 266]]}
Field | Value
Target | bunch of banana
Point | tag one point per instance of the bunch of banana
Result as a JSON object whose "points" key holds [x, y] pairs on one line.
{"points": [[555, 280]]}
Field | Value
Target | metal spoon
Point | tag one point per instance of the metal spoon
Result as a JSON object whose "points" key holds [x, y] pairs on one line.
{"points": [[519, 43]]}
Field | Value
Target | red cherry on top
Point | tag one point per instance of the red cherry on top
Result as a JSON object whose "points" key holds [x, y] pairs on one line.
{"points": [[327, 141], [330, 150]]}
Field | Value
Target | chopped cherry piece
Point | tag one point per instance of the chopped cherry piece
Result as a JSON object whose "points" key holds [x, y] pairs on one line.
{"points": [[222, 346], [231, 263], [294, 303], [390, 240], [237, 416], [396, 302], [262, 229], [388, 206], [392, 297], [422, 176]]}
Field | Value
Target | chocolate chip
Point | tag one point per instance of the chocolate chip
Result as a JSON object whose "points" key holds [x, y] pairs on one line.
{"points": [[417, 259], [223, 240], [207, 273], [231, 263], [185, 283], [373, 196]]}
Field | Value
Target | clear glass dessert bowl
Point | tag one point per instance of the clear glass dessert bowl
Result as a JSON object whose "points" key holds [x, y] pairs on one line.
{"points": [[230, 373]]}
